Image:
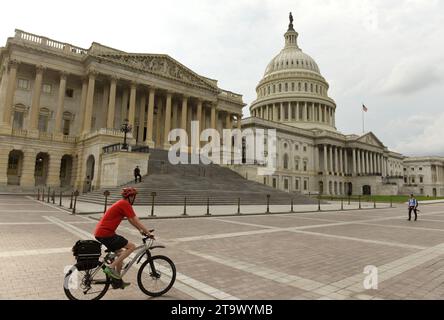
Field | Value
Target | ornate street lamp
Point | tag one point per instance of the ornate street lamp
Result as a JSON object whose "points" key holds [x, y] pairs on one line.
{"points": [[125, 128]]}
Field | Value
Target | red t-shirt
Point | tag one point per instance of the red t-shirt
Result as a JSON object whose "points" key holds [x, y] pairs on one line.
{"points": [[113, 217]]}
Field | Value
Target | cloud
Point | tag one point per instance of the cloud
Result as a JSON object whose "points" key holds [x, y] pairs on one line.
{"points": [[413, 75], [425, 138]]}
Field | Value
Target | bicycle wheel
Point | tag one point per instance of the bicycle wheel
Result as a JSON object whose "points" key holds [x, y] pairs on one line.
{"points": [[158, 281], [90, 284]]}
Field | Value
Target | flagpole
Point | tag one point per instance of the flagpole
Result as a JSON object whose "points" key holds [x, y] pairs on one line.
{"points": [[363, 125]]}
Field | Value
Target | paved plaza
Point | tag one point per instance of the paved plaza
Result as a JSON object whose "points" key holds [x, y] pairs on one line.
{"points": [[318, 255]]}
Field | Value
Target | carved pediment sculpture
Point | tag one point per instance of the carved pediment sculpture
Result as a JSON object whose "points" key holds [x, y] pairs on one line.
{"points": [[161, 64]]}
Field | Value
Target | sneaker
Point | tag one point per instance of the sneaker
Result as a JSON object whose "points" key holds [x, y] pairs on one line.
{"points": [[112, 273], [119, 284]]}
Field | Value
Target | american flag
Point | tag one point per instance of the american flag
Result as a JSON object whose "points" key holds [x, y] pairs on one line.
{"points": [[364, 108]]}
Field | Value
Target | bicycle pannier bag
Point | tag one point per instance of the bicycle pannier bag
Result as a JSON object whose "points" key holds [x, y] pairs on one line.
{"points": [[87, 253]]}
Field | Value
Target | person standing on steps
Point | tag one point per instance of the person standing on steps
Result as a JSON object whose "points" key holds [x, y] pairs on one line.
{"points": [[413, 206], [137, 174]]}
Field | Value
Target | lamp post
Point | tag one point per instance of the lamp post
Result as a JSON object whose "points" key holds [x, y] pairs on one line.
{"points": [[125, 128]]}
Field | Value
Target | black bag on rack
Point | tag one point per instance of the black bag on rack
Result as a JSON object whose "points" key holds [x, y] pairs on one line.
{"points": [[87, 253]]}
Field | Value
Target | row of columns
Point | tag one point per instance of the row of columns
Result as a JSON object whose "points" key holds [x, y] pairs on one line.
{"points": [[303, 111], [363, 162], [87, 105]]}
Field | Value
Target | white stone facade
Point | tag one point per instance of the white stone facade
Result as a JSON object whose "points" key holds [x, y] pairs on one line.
{"points": [[60, 105]]}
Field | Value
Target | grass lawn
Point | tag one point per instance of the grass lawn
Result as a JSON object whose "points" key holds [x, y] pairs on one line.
{"points": [[394, 199]]}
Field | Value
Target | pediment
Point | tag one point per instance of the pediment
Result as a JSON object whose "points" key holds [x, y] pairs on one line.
{"points": [[371, 139], [162, 65]]}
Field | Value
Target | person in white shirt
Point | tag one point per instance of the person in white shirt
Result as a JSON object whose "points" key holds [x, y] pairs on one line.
{"points": [[413, 206]]}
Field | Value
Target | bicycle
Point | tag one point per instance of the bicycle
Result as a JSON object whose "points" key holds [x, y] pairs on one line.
{"points": [[91, 284]]}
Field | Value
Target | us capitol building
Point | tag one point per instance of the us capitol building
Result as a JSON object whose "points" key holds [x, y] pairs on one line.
{"points": [[312, 156], [62, 107]]}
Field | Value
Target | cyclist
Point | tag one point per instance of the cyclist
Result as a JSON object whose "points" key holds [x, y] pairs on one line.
{"points": [[105, 232]]}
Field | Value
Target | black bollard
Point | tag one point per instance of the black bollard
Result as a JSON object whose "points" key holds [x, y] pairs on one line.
{"points": [[359, 199], [38, 194], [319, 203], [184, 206], [348, 200], [374, 204], [60, 202], [43, 194], [238, 206], [292, 206], [106, 194], [70, 203], [53, 197], [342, 204], [76, 194], [268, 203], [49, 193], [391, 202], [153, 194], [208, 207]]}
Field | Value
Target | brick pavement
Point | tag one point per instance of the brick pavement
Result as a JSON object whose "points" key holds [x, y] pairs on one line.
{"points": [[292, 256]]}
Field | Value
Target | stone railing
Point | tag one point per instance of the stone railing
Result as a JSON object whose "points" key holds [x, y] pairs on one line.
{"points": [[49, 43], [45, 136], [19, 132], [69, 139], [106, 131], [119, 147], [231, 95]]}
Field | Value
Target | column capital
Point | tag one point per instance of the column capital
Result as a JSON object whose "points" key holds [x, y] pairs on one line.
{"points": [[113, 77], [133, 84], [63, 74], [92, 72], [40, 68], [13, 63]]}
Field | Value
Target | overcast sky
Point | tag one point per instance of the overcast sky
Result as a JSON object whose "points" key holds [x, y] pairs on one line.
{"points": [[387, 54]]}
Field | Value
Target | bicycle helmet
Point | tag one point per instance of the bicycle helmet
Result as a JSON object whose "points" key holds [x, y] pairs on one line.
{"points": [[128, 192]]}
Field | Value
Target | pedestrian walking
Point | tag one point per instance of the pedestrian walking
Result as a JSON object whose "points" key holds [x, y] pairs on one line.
{"points": [[137, 175], [413, 206]]}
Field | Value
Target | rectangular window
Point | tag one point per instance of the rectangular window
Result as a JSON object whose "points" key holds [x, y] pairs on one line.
{"points": [[66, 125], [23, 84], [274, 183], [43, 123], [421, 180], [47, 88], [305, 185], [69, 93], [297, 184], [18, 120], [286, 184]]}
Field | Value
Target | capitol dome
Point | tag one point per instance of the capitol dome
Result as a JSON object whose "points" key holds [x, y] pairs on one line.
{"points": [[293, 91]]}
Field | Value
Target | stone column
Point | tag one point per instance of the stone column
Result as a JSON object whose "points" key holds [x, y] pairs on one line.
{"points": [[36, 93], [141, 118], [336, 167], [60, 103], [359, 160], [275, 113], [330, 150], [81, 117], [305, 111], [367, 162], [132, 105], [111, 103], [10, 91], [341, 163], [89, 103], [297, 111], [325, 161], [183, 118], [228, 120], [213, 117], [167, 127], [150, 118], [346, 161], [239, 121], [354, 162], [53, 179], [124, 106], [28, 168], [282, 112], [290, 118]]}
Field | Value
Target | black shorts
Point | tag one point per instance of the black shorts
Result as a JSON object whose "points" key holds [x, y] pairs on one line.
{"points": [[113, 243]]}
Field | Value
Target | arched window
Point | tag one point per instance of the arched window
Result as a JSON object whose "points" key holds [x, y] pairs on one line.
{"points": [[18, 116], [292, 86], [286, 87], [306, 87], [280, 87], [299, 86]]}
